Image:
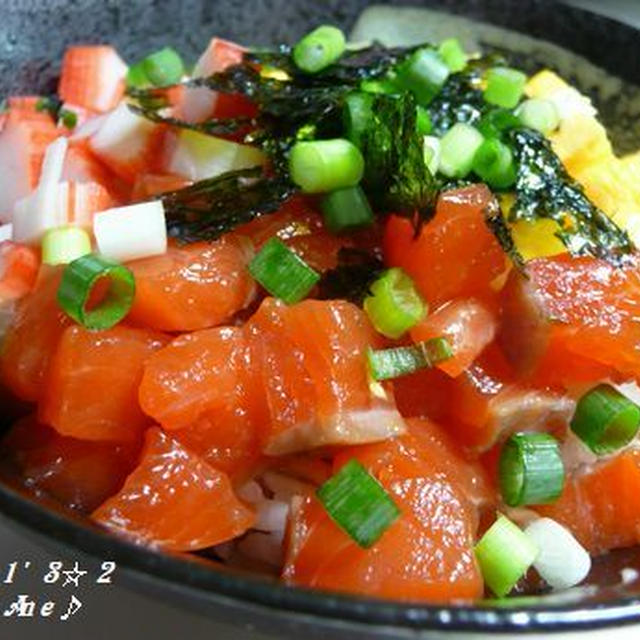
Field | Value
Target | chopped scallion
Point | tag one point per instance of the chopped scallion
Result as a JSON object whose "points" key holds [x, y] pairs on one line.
{"points": [[457, 150], [504, 554], [326, 165], [505, 87], [386, 364], [319, 49], [423, 74], [531, 469], [69, 119], [163, 67], [346, 210], [63, 245], [541, 115], [605, 419], [494, 163], [453, 54], [394, 305], [358, 504], [136, 77], [496, 122], [283, 273], [78, 281]]}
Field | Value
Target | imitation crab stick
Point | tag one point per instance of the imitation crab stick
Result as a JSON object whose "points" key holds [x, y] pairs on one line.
{"points": [[200, 103], [23, 142], [92, 77]]}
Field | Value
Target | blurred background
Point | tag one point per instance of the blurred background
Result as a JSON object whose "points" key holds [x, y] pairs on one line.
{"points": [[112, 611]]}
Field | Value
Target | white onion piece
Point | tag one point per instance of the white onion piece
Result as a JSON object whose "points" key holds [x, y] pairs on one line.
{"points": [[272, 517], [6, 232], [132, 232], [197, 156], [38, 212], [562, 561]]}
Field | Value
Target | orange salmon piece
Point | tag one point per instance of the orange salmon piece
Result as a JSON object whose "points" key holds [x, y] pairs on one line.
{"points": [[32, 337], [175, 501], [311, 356], [80, 475], [92, 383], [581, 316], [202, 388], [602, 507], [426, 555], [455, 255], [468, 325], [193, 287]]}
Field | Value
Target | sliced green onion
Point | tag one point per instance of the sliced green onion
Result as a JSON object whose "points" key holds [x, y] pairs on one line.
{"points": [[63, 245], [358, 504], [457, 150], [386, 86], [78, 281], [423, 74], [346, 210], [496, 122], [394, 305], [453, 54], [605, 420], [326, 165], [504, 554], [163, 67], [494, 163], [505, 87], [68, 118], [541, 115], [424, 126], [136, 76], [531, 469], [386, 364], [357, 115], [282, 273], [319, 49]]}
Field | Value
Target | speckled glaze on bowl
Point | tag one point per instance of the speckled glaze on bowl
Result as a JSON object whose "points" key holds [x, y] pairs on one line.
{"points": [[33, 35]]}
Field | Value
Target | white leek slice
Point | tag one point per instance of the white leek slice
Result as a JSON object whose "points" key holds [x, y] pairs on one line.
{"points": [[132, 232], [197, 156], [562, 561], [6, 232]]}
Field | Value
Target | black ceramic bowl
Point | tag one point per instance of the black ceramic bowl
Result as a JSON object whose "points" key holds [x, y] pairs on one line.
{"points": [[33, 35]]}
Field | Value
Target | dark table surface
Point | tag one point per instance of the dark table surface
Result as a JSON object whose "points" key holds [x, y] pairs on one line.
{"points": [[111, 611]]}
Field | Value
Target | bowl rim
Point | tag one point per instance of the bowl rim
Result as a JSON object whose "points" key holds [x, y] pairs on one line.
{"points": [[192, 574]]}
